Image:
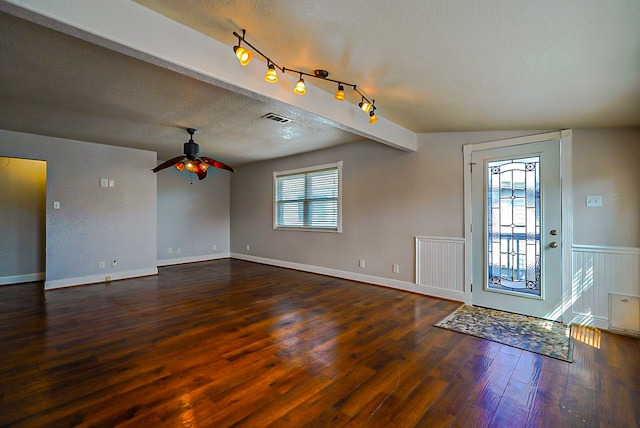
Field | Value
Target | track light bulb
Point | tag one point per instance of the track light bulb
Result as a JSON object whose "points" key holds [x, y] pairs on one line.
{"points": [[271, 75], [365, 106], [372, 117], [244, 56], [339, 93], [300, 88]]}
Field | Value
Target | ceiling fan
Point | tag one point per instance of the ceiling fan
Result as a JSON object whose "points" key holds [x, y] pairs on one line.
{"points": [[192, 161]]}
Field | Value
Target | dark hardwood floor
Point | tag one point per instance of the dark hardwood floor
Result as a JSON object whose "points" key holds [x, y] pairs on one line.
{"points": [[232, 343]]}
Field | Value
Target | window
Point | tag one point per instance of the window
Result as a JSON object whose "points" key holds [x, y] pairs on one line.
{"points": [[308, 198]]}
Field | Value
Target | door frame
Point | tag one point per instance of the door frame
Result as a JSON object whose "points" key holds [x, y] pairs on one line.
{"points": [[565, 137]]}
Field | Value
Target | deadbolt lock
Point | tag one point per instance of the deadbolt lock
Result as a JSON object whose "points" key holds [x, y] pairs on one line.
{"points": [[553, 232]]}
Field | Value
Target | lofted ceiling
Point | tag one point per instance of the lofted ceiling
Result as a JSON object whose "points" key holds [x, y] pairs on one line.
{"points": [[431, 66]]}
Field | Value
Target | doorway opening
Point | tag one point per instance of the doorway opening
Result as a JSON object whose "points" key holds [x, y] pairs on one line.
{"points": [[22, 220]]}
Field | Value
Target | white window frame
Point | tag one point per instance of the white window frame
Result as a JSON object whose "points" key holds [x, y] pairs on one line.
{"points": [[277, 174]]}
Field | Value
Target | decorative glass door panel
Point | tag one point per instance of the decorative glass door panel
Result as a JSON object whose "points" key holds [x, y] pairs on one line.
{"points": [[513, 226], [516, 219]]}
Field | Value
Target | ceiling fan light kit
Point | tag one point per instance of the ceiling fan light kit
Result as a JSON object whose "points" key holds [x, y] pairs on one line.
{"points": [[244, 56], [192, 161]]}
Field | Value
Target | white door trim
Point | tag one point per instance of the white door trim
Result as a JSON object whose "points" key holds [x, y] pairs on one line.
{"points": [[565, 137]]}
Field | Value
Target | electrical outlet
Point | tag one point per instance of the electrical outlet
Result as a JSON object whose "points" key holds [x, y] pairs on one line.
{"points": [[107, 278], [593, 201], [179, 250], [114, 263], [101, 265], [170, 250], [361, 263], [396, 268], [215, 247], [56, 205], [248, 247]]}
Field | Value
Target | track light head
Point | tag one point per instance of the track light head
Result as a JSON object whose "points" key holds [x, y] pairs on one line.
{"points": [[243, 55], [271, 75], [365, 106], [372, 117], [339, 93], [300, 87]]}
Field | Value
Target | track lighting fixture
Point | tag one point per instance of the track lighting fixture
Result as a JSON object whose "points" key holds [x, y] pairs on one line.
{"points": [[271, 75], [244, 56], [300, 87], [365, 105], [372, 117], [339, 93]]}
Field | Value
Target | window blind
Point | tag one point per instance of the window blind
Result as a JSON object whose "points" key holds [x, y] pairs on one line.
{"points": [[308, 199]]}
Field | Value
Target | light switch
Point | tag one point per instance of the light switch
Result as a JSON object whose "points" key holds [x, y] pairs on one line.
{"points": [[104, 182], [112, 183], [594, 201], [56, 205]]}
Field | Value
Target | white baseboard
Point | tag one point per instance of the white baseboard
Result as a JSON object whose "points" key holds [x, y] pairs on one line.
{"points": [[192, 259], [18, 279], [590, 320], [92, 279], [375, 280]]}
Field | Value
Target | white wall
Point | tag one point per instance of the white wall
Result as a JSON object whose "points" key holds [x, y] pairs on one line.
{"points": [[193, 216], [94, 224], [22, 220]]}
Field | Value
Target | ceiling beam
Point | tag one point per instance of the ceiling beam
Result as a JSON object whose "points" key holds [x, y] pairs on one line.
{"points": [[131, 29]]}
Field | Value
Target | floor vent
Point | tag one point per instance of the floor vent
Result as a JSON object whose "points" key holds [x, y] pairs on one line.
{"points": [[624, 313], [276, 118]]}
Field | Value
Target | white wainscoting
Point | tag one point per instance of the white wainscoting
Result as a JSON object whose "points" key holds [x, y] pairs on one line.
{"points": [[597, 271], [440, 266]]}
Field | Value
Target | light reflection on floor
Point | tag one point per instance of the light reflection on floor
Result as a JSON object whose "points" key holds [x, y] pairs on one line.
{"points": [[586, 334]]}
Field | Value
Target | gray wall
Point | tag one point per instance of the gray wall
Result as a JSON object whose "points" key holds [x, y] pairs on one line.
{"points": [[607, 163], [22, 218], [193, 215], [391, 196], [94, 224]]}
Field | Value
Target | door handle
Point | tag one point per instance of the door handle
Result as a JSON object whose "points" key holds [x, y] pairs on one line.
{"points": [[554, 245]]}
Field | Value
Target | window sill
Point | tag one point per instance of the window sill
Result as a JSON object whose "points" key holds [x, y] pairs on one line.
{"points": [[308, 229]]}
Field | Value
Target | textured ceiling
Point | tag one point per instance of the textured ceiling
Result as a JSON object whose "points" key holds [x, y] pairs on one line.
{"points": [[54, 84], [441, 65], [431, 65]]}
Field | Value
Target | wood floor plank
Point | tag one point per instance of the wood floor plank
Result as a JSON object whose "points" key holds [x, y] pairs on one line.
{"points": [[234, 343]]}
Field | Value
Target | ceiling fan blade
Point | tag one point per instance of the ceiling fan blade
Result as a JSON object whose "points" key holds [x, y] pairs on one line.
{"points": [[167, 164], [217, 164], [201, 174]]}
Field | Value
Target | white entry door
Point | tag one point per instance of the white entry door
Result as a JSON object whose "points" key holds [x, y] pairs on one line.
{"points": [[516, 229]]}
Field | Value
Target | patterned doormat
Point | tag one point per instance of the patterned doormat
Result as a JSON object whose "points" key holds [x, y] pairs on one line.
{"points": [[538, 335]]}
